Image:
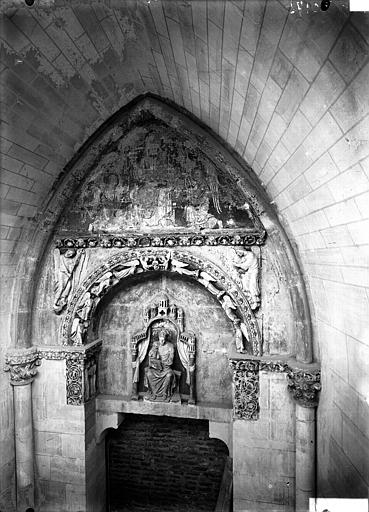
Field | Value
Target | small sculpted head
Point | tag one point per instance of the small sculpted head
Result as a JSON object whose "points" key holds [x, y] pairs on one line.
{"points": [[70, 253], [163, 336]]}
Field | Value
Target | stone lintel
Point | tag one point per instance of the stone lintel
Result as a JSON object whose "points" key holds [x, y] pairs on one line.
{"points": [[123, 404]]}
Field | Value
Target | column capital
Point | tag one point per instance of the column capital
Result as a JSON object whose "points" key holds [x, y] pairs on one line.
{"points": [[22, 365], [304, 385]]}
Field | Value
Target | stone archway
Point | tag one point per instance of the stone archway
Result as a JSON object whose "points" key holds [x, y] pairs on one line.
{"points": [[74, 362], [105, 277]]}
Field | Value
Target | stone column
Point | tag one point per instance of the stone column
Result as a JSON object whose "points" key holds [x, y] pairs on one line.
{"points": [[22, 365], [304, 385]]}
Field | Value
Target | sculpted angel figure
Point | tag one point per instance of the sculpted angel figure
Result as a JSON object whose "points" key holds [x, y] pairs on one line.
{"points": [[241, 331], [68, 268], [247, 266]]}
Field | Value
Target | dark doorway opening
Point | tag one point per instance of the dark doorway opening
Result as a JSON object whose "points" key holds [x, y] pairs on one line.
{"points": [[160, 464]]}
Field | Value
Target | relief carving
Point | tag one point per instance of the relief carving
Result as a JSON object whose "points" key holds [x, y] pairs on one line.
{"points": [[69, 267], [165, 240], [247, 266], [245, 389], [160, 379], [157, 179], [81, 370], [304, 386], [227, 293], [22, 366], [162, 338]]}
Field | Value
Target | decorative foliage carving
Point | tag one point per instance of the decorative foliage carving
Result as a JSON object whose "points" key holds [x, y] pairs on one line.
{"points": [[274, 366], [74, 379], [246, 389], [83, 304], [241, 238], [163, 335], [22, 366], [304, 386]]}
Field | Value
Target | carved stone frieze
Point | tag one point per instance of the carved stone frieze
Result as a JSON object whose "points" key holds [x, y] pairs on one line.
{"points": [[22, 366], [231, 297], [274, 366], [304, 386], [246, 389], [164, 240]]}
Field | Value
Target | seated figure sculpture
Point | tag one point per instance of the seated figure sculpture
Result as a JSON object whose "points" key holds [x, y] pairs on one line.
{"points": [[160, 379]]}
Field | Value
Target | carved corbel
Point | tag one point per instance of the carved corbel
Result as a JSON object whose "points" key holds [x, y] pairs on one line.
{"points": [[245, 389], [22, 366], [304, 386]]}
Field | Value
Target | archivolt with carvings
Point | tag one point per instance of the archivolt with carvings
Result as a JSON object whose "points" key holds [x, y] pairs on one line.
{"points": [[233, 300]]}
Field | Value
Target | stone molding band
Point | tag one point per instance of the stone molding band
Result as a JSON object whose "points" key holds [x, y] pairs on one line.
{"points": [[166, 240], [302, 383]]}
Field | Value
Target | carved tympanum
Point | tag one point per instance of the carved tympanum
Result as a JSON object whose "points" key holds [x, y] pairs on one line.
{"points": [[158, 342]]}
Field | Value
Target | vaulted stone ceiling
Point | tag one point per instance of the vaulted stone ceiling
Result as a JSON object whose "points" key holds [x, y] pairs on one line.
{"points": [[286, 88]]}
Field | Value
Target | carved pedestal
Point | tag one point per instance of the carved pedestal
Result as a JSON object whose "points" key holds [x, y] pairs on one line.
{"points": [[22, 366]]}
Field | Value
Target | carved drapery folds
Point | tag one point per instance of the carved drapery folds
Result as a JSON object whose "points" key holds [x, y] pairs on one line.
{"points": [[247, 266], [245, 389], [162, 336], [304, 386], [82, 305], [22, 366], [69, 268]]}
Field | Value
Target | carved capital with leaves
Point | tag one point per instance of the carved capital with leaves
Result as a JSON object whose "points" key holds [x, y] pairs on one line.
{"points": [[304, 386], [22, 366]]}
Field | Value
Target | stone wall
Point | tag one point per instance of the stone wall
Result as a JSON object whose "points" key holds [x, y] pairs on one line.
{"points": [[169, 462], [264, 451], [59, 431]]}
